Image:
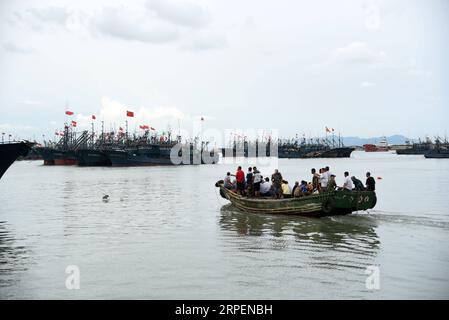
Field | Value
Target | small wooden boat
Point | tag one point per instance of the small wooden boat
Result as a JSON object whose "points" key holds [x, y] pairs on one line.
{"points": [[316, 205]]}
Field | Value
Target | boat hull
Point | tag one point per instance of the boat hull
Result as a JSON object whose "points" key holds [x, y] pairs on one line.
{"points": [[57, 157], [151, 156], [316, 205], [412, 151], [437, 155], [92, 157], [9, 152], [64, 158], [374, 148]]}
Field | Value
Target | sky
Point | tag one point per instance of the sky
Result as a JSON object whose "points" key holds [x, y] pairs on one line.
{"points": [[366, 68]]}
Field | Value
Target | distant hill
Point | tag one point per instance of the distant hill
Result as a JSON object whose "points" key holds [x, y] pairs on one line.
{"points": [[356, 141]]}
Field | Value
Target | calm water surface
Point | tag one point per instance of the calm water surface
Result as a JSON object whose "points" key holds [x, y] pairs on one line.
{"points": [[167, 234]]}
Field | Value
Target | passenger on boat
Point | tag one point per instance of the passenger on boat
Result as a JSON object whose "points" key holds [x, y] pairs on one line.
{"points": [[324, 179], [310, 187], [370, 182], [240, 177], [331, 185], [304, 187], [294, 187], [315, 180], [347, 184], [228, 183], [358, 185], [249, 182], [257, 179], [286, 190], [265, 187], [276, 178], [301, 190]]}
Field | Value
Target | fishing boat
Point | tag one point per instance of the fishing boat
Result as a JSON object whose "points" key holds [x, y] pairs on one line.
{"points": [[315, 205], [440, 151], [382, 146], [9, 152], [420, 147]]}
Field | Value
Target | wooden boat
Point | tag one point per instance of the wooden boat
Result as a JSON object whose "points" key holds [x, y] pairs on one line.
{"points": [[315, 205]]}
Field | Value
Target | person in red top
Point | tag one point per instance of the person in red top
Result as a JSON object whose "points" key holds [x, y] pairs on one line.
{"points": [[240, 177]]}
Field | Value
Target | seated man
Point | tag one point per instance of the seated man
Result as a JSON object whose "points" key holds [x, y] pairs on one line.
{"points": [[347, 184], [301, 190], [265, 187], [358, 185], [295, 187], [228, 184], [310, 187], [286, 190], [331, 185]]}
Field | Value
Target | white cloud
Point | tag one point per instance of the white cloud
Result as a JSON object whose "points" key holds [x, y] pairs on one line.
{"points": [[180, 12], [17, 131], [128, 24], [38, 18], [199, 41], [114, 112], [359, 53], [157, 22], [372, 16], [31, 102], [15, 48], [367, 84]]}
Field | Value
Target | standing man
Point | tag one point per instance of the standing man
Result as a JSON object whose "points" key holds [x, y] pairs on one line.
{"points": [[276, 178], [370, 182], [249, 182], [315, 180], [240, 178], [257, 179], [324, 179]]}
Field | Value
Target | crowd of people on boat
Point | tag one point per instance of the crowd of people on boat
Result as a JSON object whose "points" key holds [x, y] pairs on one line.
{"points": [[254, 184]]}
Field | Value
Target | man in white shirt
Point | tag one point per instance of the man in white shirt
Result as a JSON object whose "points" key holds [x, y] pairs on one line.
{"points": [[347, 184], [228, 183], [257, 179], [324, 179], [265, 187]]}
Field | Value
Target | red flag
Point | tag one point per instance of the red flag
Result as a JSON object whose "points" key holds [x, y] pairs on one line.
{"points": [[69, 113], [73, 123], [94, 117], [130, 114], [327, 129], [61, 133]]}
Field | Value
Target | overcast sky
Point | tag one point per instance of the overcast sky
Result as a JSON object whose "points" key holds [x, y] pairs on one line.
{"points": [[367, 68]]}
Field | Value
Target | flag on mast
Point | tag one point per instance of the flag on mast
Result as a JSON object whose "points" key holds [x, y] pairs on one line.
{"points": [[69, 113], [130, 114]]}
